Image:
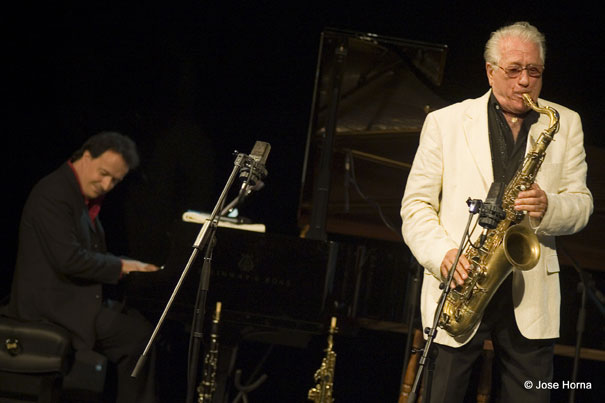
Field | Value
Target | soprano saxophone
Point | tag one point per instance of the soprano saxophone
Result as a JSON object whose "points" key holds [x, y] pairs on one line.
{"points": [[324, 376], [207, 386], [507, 246]]}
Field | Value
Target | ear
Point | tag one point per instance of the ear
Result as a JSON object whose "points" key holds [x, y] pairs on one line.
{"points": [[490, 71]]}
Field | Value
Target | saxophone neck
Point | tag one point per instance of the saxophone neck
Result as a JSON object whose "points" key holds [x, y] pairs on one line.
{"points": [[552, 113], [331, 333]]}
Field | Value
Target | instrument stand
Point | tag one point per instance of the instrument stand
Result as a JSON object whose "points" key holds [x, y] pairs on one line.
{"points": [[205, 235], [252, 384], [474, 208]]}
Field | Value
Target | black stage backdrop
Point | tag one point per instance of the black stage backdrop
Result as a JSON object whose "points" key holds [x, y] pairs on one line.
{"points": [[193, 81]]}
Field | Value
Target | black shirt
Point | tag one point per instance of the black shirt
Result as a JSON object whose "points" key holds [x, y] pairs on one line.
{"points": [[507, 155]]}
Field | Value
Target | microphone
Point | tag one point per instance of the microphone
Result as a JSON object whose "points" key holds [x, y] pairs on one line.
{"points": [[254, 167], [491, 212], [251, 173]]}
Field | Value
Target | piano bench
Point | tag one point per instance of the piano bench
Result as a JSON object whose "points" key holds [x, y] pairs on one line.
{"points": [[38, 363], [34, 357]]}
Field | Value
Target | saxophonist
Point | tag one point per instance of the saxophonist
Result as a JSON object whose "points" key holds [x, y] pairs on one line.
{"points": [[463, 149]]}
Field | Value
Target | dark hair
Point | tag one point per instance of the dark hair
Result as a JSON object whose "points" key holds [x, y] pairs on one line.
{"points": [[114, 141]]}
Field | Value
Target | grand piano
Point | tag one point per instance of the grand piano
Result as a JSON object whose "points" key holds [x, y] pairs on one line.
{"points": [[370, 99]]}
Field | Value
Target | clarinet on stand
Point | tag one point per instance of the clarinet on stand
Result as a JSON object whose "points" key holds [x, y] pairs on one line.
{"points": [[207, 386]]}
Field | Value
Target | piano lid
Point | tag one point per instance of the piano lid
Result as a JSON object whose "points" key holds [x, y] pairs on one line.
{"points": [[386, 84], [371, 96]]}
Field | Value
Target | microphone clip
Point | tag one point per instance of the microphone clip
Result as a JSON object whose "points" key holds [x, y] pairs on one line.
{"points": [[491, 215], [491, 212], [253, 166]]}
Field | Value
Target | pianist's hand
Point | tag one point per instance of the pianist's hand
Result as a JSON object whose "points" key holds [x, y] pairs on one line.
{"points": [[134, 265]]}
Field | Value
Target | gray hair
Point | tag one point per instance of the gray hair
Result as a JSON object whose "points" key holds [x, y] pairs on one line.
{"points": [[523, 30]]}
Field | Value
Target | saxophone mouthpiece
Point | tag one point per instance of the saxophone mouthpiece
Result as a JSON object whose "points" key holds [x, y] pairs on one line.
{"points": [[528, 99]]}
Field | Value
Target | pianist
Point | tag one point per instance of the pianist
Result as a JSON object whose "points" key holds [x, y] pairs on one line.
{"points": [[62, 261]]}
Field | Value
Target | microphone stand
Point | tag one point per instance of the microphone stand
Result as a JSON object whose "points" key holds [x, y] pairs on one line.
{"points": [[580, 325], [205, 234], [474, 207], [199, 313], [588, 291]]}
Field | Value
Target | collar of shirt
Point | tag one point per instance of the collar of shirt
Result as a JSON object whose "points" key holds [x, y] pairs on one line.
{"points": [[507, 154], [93, 205]]}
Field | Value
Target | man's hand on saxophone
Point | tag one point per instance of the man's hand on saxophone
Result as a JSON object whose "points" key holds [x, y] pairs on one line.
{"points": [[462, 268], [533, 201]]}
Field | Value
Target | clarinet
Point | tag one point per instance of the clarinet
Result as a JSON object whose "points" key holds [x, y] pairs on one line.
{"points": [[207, 386]]}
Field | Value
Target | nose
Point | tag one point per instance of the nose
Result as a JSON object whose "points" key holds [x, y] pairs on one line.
{"points": [[524, 78], [107, 184]]}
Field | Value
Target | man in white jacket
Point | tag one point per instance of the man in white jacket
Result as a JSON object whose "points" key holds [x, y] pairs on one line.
{"points": [[463, 149]]}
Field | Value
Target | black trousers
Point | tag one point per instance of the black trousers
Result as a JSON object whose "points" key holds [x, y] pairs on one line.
{"points": [[122, 336], [517, 359]]}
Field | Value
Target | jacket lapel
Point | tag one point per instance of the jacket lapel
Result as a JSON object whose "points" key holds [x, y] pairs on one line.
{"points": [[477, 138]]}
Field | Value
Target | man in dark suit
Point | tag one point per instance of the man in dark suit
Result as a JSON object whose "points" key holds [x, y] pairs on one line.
{"points": [[63, 263]]}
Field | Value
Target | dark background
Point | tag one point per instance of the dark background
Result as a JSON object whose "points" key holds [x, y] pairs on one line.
{"points": [[191, 82]]}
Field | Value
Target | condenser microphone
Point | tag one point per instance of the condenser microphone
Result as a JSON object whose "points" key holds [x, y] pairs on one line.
{"points": [[491, 212], [254, 169]]}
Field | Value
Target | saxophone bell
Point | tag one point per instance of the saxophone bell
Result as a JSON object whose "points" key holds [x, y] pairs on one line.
{"points": [[521, 247]]}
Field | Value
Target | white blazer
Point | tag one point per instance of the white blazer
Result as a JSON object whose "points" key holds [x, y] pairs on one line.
{"points": [[453, 163]]}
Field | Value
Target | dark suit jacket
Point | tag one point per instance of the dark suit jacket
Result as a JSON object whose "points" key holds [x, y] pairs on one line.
{"points": [[62, 259]]}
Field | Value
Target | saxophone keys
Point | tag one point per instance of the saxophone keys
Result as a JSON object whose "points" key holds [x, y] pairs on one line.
{"points": [[444, 320], [477, 288]]}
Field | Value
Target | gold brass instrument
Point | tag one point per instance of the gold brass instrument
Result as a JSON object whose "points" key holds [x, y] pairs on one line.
{"points": [[507, 246], [324, 376], [207, 386]]}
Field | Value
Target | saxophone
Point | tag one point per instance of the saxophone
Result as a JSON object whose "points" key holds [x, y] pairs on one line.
{"points": [[207, 386], [324, 376], [508, 245]]}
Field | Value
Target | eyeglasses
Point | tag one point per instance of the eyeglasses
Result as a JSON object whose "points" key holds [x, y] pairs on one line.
{"points": [[514, 70]]}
